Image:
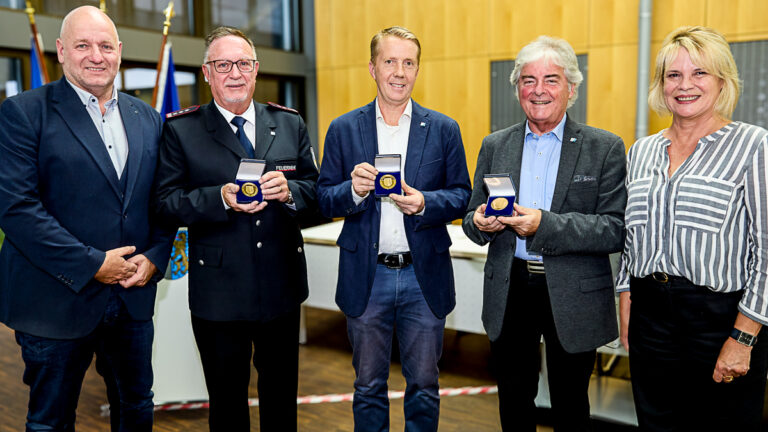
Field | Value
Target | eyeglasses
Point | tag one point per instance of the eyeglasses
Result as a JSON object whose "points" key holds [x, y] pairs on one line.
{"points": [[224, 66]]}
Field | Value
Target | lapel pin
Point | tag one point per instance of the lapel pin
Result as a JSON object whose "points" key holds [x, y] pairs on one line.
{"points": [[423, 124], [573, 139], [272, 133]]}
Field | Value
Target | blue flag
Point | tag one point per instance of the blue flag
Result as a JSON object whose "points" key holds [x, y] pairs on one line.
{"points": [[167, 96], [36, 78]]}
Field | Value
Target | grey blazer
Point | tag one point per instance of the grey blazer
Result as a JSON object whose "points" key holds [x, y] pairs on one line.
{"points": [[584, 225]]}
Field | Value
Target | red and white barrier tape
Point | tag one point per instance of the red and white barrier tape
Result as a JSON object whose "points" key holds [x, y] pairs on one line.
{"points": [[332, 398]]}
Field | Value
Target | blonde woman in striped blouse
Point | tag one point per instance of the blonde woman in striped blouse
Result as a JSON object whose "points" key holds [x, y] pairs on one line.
{"points": [[695, 258]]}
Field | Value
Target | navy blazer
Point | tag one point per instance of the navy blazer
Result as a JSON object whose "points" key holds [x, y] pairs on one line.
{"points": [[62, 208], [435, 165]]}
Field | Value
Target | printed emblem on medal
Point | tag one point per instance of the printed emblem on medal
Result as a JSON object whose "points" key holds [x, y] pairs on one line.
{"points": [[388, 181], [249, 189], [499, 203]]}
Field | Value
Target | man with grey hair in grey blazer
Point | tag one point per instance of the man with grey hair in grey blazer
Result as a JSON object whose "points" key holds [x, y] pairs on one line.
{"points": [[548, 272]]}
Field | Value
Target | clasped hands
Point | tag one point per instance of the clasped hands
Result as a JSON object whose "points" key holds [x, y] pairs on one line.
{"points": [[134, 271], [524, 221], [364, 181], [274, 186]]}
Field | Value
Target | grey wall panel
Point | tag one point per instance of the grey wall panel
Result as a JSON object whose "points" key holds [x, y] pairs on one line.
{"points": [[505, 109], [752, 61]]}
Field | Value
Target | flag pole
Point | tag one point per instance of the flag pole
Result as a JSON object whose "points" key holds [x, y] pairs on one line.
{"points": [[38, 44], [167, 24]]}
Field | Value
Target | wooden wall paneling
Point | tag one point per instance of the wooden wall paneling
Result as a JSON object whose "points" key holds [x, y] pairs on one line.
{"points": [[613, 22], [426, 19], [738, 19], [323, 33], [671, 14], [501, 24], [575, 23], [611, 91], [467, 29]]}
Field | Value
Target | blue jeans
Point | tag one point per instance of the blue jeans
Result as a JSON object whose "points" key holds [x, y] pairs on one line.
{"points": [[396, 304], [54, 371]]}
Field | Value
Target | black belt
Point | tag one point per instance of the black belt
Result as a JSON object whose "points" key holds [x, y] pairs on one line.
{"points": [[396, 261], [662, 277]]}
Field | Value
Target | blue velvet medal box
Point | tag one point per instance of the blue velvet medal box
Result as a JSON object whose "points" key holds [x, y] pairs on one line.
{"points": [[501, 194], [248, 175], [388, 178]]}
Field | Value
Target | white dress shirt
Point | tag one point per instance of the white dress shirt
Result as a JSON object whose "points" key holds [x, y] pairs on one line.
{"points": [[110, 126], [391, 140], [250, 121]]}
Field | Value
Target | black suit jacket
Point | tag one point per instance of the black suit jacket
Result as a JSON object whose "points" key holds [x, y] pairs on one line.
{"points": [[241, 266], [62, 207]]}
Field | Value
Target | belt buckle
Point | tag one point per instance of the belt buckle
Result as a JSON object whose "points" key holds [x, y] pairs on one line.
{"points": [[660, 277], [535, 267], [394, 261]]}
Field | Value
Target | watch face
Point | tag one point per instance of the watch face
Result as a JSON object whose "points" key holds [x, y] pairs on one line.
{"points": [[746, 339]]}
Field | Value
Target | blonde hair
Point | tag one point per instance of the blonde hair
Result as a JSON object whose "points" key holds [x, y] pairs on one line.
{"points": [[398, 32], [708, 50]]}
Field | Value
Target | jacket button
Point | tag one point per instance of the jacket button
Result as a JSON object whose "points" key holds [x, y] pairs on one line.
{"points": [[258, 245], [201, 262], [300, 249], [375, 245], [258, 222]]}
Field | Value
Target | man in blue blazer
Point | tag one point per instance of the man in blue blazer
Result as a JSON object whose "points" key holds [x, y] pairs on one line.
{"points": [[76, 269], [394, 266]]}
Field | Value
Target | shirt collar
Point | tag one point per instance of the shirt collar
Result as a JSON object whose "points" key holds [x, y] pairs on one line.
{"points": [[249, 114], [407, 113], [87, 98], [558, 131]]}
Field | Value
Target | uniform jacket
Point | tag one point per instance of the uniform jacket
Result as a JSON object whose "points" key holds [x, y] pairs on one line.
{"points": [[62, 207], [585, 223], [435, 165], [241, 266]]}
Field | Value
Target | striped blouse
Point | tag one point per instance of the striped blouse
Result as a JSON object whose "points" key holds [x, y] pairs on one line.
{"points": [[709, 221]]}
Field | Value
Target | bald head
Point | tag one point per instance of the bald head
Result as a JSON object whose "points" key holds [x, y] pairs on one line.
{"points": [[90, 14], [89, 51]]}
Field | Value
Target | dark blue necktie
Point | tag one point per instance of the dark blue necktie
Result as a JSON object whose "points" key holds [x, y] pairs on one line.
{"points": [[247, 146]]}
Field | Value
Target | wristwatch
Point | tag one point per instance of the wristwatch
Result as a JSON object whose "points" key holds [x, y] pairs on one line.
{"points": [[743, 338], [290, 198]]}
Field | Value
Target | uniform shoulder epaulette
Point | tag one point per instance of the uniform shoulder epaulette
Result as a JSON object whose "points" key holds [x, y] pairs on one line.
{"points": [[280, 107], [181, 112]]}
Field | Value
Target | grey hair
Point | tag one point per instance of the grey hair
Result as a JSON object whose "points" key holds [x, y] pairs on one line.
{"points": [[225, 31], [559, 52]]}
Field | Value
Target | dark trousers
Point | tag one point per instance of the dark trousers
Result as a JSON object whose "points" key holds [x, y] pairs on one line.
{"points": [[516, 360], [54, 371], [676, 331], [226, 351]]}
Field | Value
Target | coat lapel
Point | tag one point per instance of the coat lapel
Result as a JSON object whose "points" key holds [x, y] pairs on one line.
{"points": [[221, 131], [68, 105], [265, 131], [569, 154], [134, 133], [512, 156], [369, 139], [417, 139]]}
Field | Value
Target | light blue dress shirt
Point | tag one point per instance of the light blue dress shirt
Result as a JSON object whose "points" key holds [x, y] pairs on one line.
{"points": [[538, 174]]}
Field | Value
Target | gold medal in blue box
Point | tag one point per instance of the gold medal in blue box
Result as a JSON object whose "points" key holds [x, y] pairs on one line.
{"points": [[248, 175], [501, 194], [388, 178]]}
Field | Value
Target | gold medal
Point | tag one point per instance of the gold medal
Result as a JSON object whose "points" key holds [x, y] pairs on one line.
{"points": [[499, 203], [387, 181], [249, 189]]}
